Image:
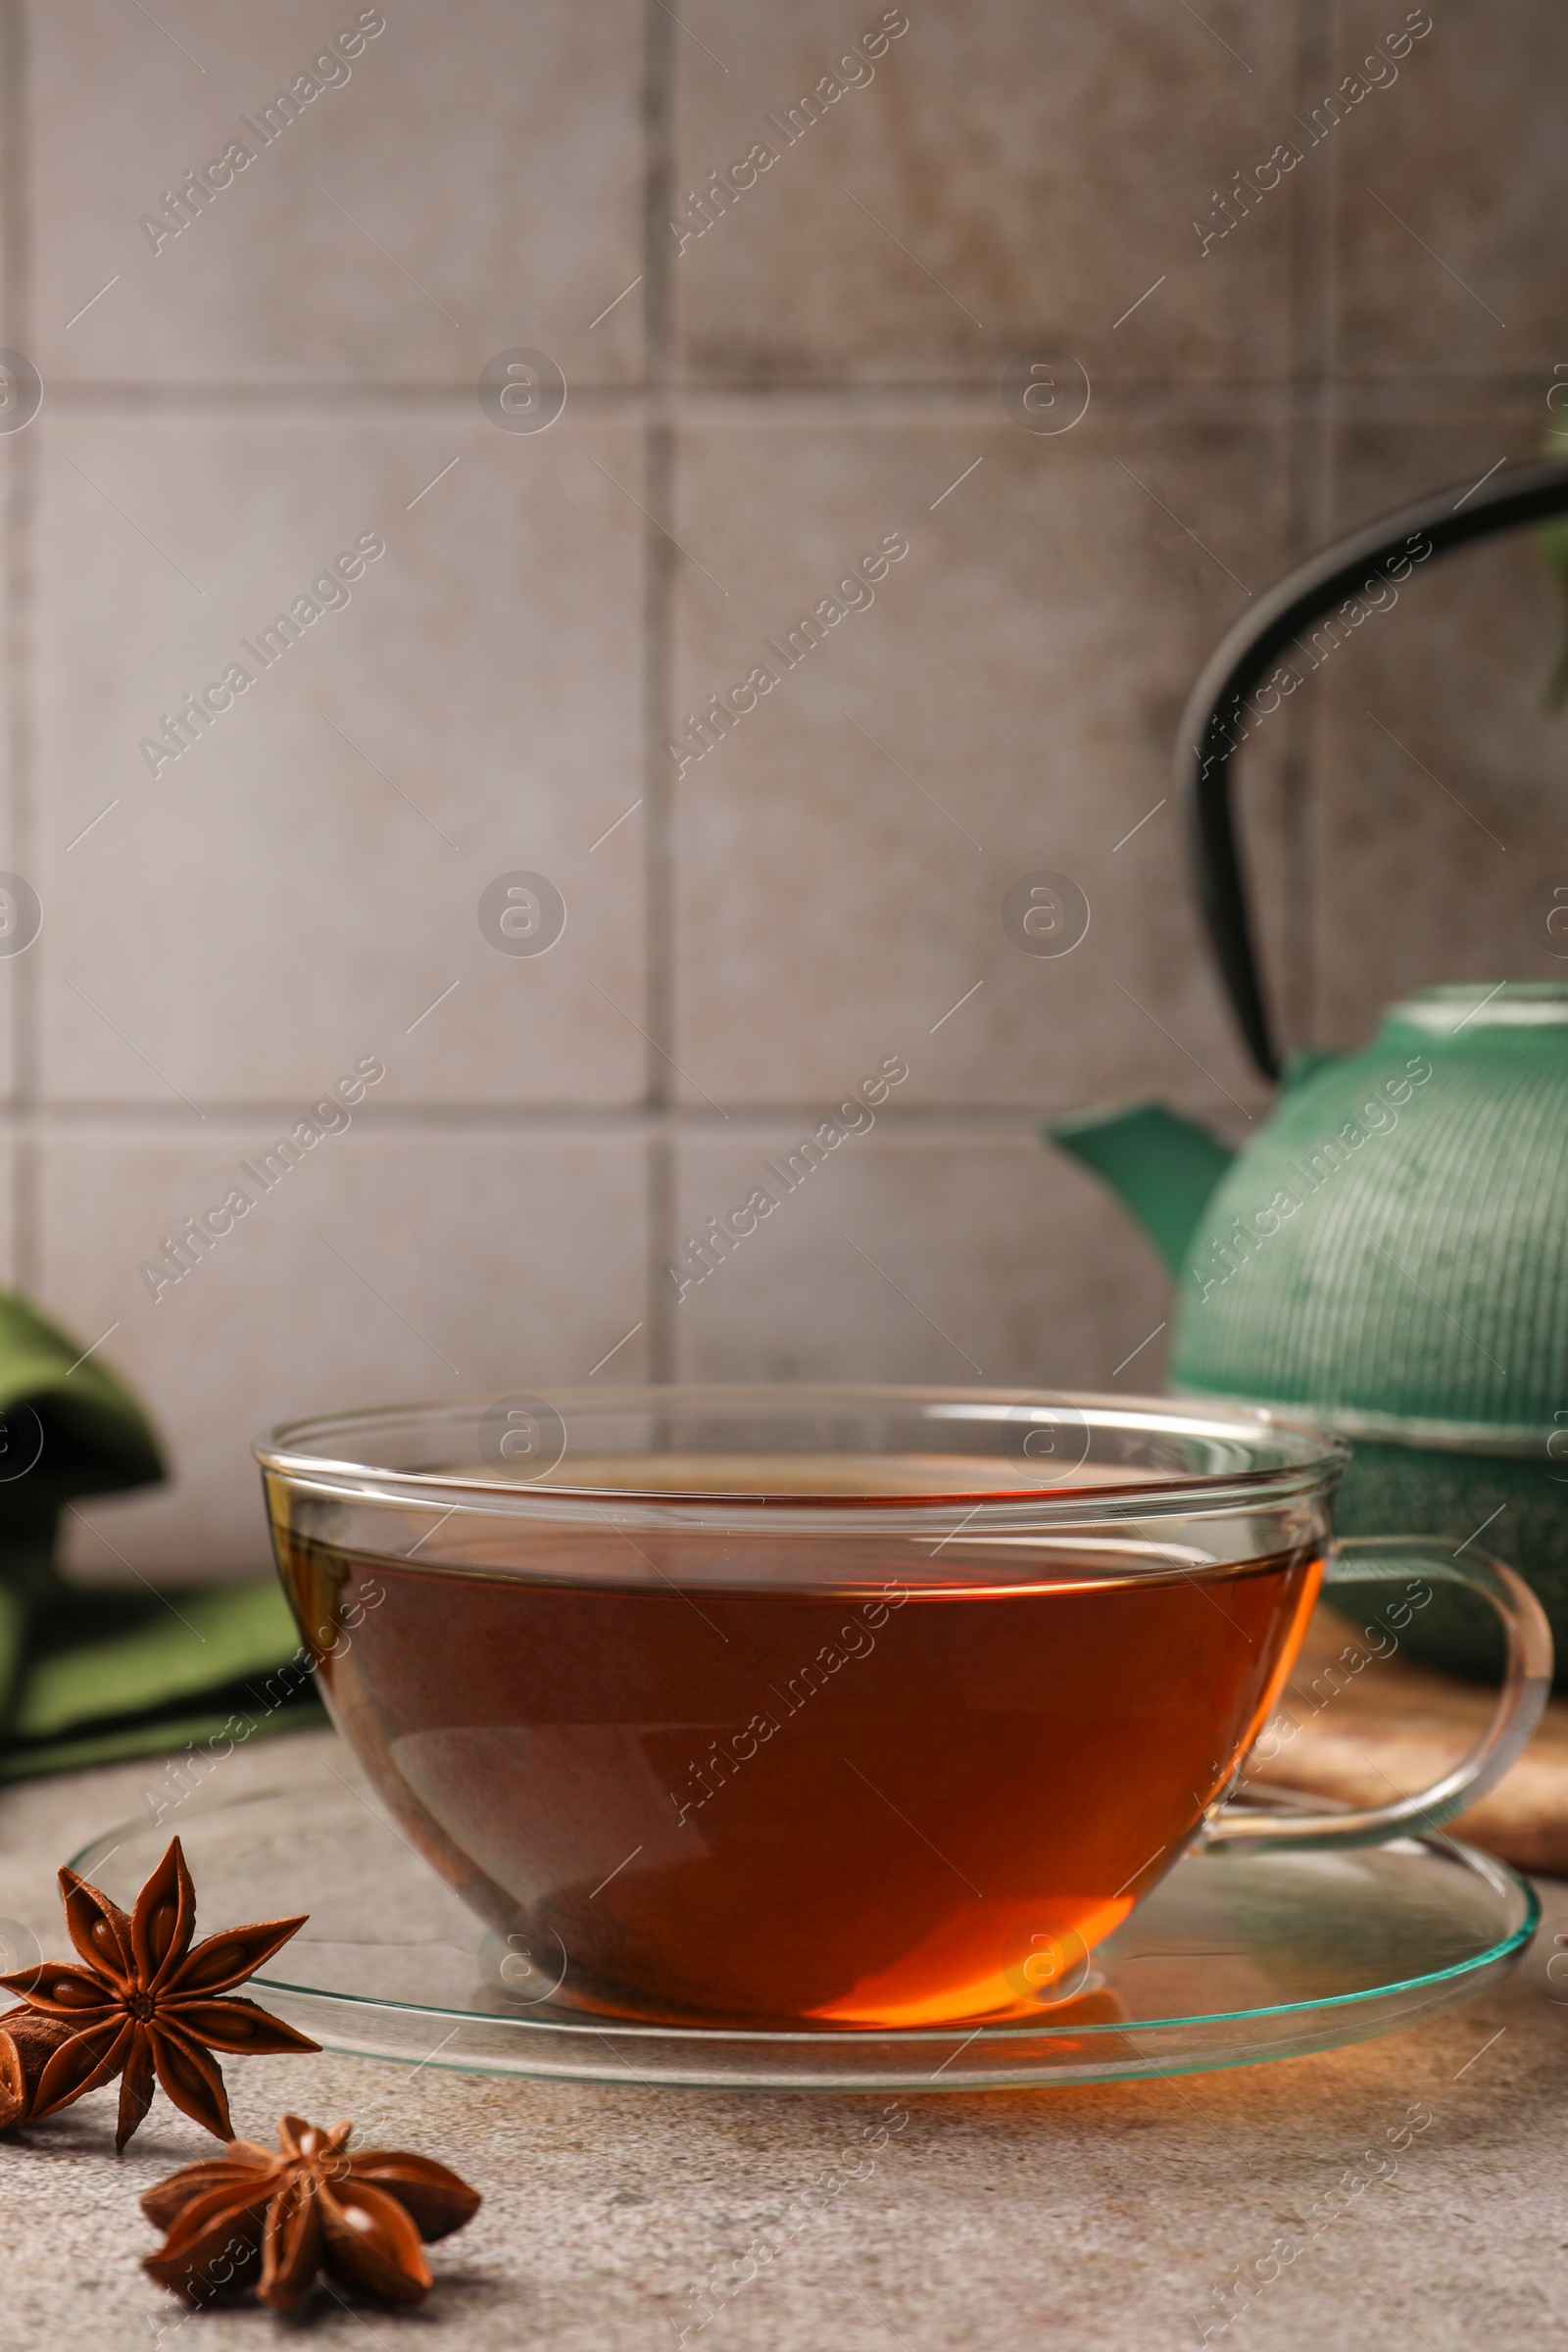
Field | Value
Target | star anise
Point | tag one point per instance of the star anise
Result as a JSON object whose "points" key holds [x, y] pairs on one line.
{"points": [[146, 2002], [253, 2217]]}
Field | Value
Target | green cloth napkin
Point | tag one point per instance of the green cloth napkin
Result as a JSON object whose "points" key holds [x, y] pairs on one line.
{"points": [[91, 1674]]}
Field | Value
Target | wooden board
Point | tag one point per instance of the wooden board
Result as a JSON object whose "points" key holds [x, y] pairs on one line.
{"points": [[1367, 1728]]}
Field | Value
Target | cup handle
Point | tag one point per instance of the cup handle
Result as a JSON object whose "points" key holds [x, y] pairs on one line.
{"points": [[1526, 1683]]}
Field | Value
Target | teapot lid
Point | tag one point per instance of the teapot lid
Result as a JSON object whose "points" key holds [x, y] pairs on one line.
{"points": [[1457, 1005]]}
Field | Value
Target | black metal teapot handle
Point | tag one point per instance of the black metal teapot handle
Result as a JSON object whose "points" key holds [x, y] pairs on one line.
{"points": [[1216, 719]]}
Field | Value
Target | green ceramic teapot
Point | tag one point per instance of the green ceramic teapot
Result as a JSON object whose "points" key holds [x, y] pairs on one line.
{"points": [[1389, 1255]]}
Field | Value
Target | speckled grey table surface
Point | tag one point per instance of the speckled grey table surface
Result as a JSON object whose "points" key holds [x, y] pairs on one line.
{"points": [[1109, 2217]]}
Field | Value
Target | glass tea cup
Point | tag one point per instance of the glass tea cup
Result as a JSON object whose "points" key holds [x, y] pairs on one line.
{"points": [[830, 1707]]}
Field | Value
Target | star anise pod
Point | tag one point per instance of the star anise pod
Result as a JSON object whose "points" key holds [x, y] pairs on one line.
{"points": [[252, 2218], [28, 2042], [146, 2002]]}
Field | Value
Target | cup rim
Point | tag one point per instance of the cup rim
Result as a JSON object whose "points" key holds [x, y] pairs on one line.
{"points": [[1311, 1457]]}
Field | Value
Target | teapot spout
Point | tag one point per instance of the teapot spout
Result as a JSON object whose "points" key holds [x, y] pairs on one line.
{"points": [[1161, 1166]]}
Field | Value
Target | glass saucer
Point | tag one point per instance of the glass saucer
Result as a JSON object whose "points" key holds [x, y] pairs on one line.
{"points": [[1233, 1959]]}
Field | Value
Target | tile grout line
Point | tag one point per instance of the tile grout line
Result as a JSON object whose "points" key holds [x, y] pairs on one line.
{"points": [[20, 510], [1324, 431], [410, 1121], [659, 623], [891, 399], [263, 1110], [1313, 511], [1308, 503]]}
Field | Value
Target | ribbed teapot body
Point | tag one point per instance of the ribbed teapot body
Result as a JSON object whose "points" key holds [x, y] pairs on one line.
{"points": [[1392, 1249]]}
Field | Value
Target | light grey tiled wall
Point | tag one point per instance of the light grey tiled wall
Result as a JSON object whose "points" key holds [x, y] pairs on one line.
{"points": [[750, 409]]}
